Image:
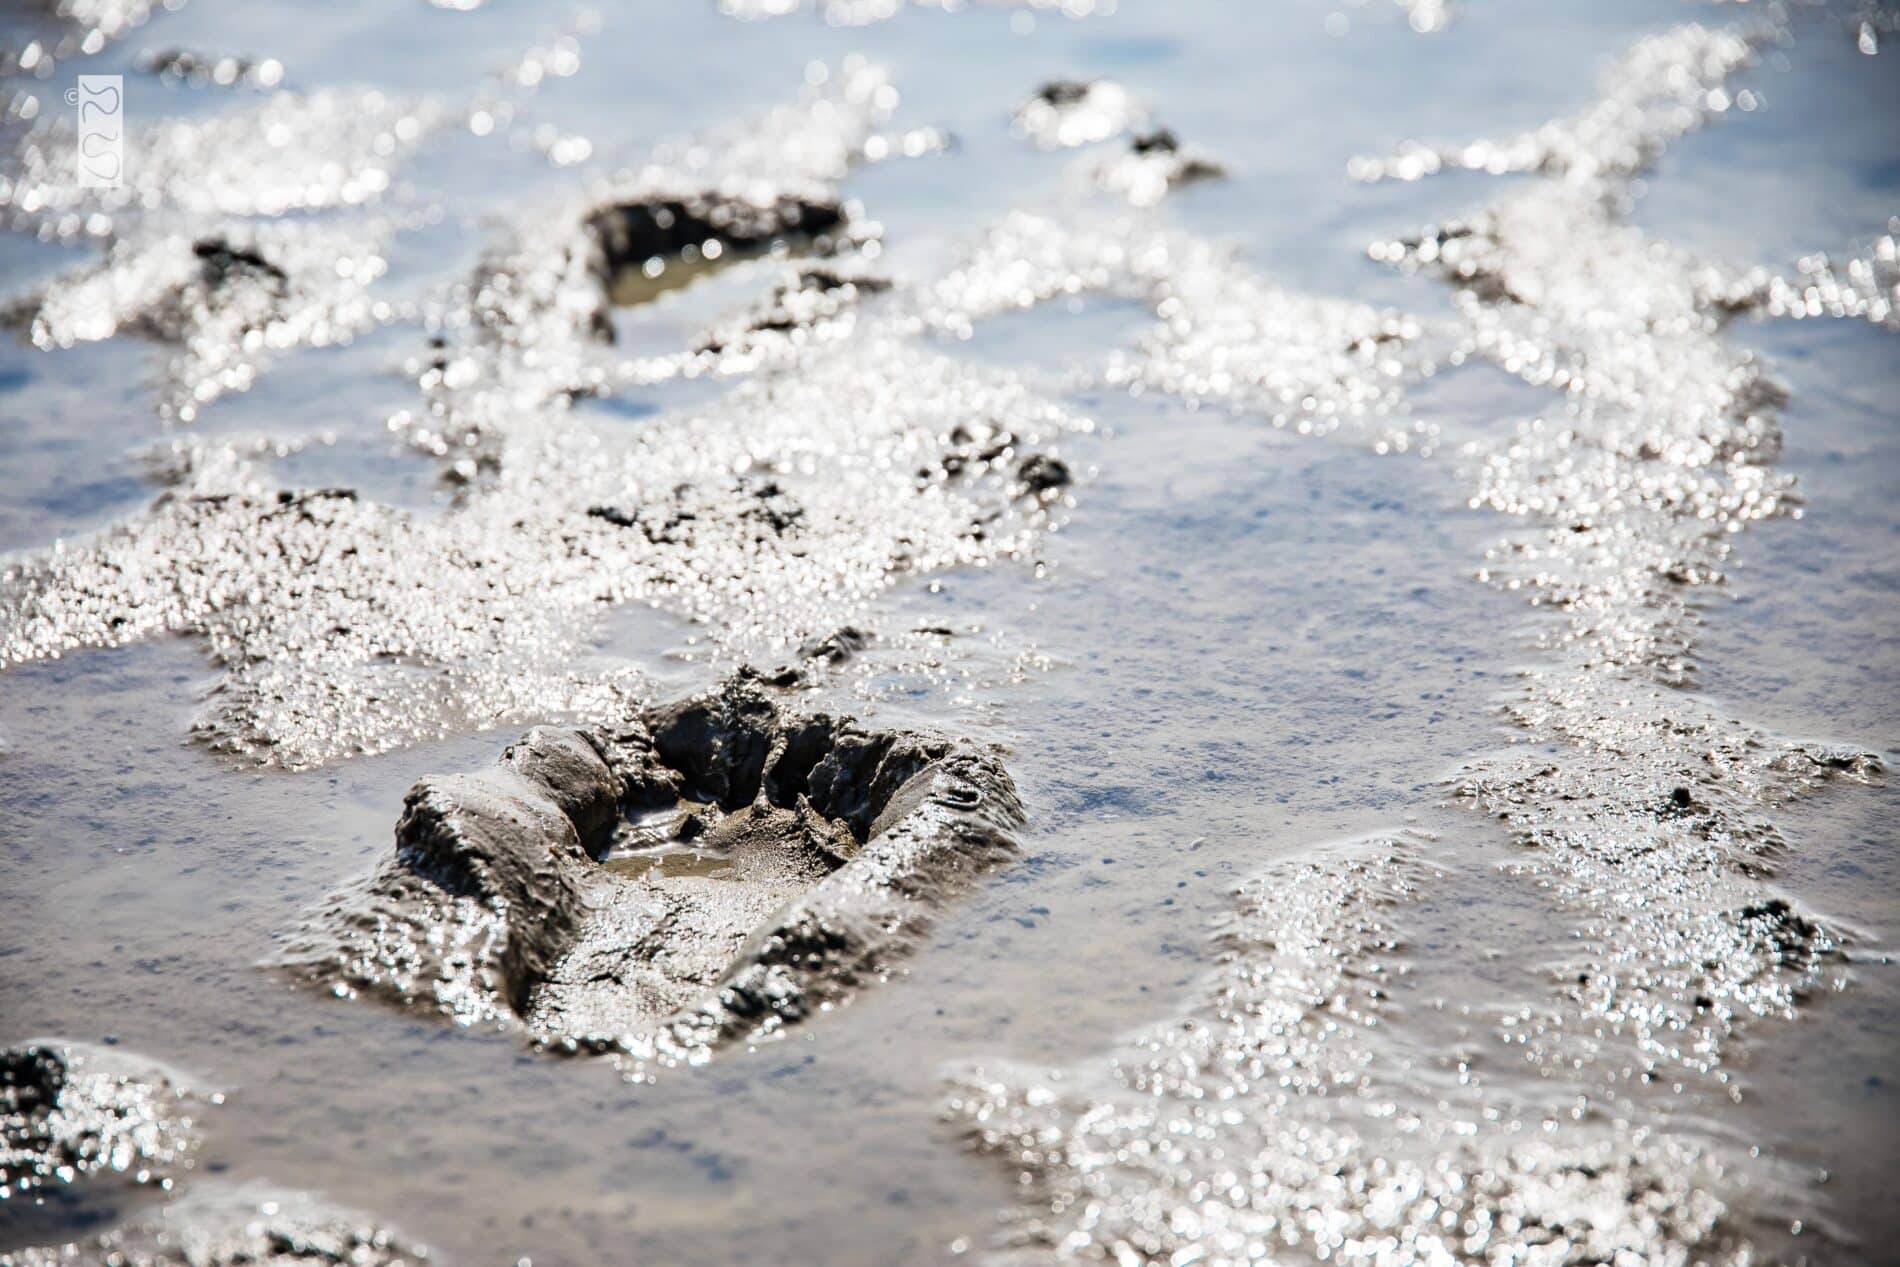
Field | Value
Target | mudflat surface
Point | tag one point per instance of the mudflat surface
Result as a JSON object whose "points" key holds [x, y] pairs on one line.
{"points": [[1551, 763]]}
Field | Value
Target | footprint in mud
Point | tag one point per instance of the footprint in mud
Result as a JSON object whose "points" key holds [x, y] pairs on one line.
{"points": [[706, 874]]}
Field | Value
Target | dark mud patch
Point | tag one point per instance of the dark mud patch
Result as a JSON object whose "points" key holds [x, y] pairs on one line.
{"points": [[650, 245], [707, 873], [86, 1134], [211, 70]]}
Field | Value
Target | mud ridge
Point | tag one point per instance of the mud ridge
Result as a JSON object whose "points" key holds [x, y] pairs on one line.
{"points": [[1644, 807], [221, 304], [194, 258], [207, 193], [1223, 336], [816, 303], [1264, 1122], [1268, 1117], [250, 1226], [530, 330], [719, 514]]}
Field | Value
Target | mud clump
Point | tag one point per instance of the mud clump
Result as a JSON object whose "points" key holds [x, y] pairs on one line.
{"points": [[1039, 473], [817, 656], [1159, 141], [221, 262], [1154, 163], [836, 647], [1065, 113], [241, 1228], [654, 244], [706, 873], [1796, 940], [69, 1112], [1068, 114], [94, 1138]]}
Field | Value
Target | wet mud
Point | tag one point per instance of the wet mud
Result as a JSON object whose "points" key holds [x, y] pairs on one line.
{"points": [[822, 424], [1153, 163], [81, 1129], [1065, 113], [305, 594], [706, 874], [1634, 802], [1666, 453], [246, 1227], [91, 1138], [1262, 1125], [649, 245]]}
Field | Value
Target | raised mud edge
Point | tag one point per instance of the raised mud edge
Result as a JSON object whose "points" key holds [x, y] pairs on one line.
{"points": [[494, 878]]}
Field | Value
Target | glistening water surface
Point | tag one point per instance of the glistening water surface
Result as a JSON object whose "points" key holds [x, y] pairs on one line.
{"points": [[1450, 681]]}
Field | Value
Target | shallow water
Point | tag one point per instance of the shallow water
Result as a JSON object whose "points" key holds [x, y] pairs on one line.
{"points": [[1233, 649]]}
